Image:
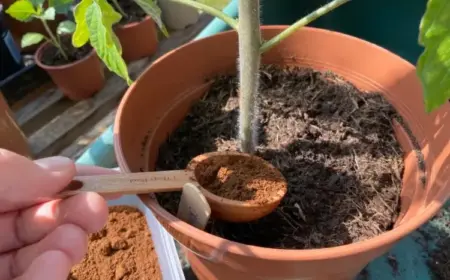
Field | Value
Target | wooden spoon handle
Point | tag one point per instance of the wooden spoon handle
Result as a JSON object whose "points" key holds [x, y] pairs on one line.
{"points": [[132, 183]]}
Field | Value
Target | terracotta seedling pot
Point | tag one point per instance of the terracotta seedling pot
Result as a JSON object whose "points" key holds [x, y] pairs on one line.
{"points": [[154, 105], [78, 80], [138, 39], [11, 136]]}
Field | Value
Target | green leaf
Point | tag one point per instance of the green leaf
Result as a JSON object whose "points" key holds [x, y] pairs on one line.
{"points": [[66, 27], [21, 10], [49, 14], [435, 21], [81, 35], [61, 6], [151, 8], [100, 29], [110, 16], [31, 38], [433, 66]]}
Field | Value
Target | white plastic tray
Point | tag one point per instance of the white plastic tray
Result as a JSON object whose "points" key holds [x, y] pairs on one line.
{"points": [[163, 241]]}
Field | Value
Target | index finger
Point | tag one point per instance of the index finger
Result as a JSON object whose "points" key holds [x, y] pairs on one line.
{"points": [[25, 182]]}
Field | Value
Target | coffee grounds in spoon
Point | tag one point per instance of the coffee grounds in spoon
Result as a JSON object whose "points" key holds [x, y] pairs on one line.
{"points": [[240, 178]]}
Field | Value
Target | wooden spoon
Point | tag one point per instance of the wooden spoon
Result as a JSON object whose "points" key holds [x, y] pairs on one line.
{"points": [[169, 181]]}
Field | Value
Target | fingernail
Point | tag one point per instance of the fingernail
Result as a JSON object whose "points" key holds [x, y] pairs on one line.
{"points": [[55, 164]]}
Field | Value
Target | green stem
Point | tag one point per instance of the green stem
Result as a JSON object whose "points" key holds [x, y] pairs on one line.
{"points": [[300, 23], [121, 11], [210, 10], [249, 62], [55, 41]]}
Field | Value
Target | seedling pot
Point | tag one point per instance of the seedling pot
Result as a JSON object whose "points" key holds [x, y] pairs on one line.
{"points": [[153, 107], [11, 136], [138, 39], [78, 80]]}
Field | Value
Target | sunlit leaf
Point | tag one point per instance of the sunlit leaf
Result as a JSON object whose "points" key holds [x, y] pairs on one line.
{"points": [[81, 35], [49, 14], [152, 9], [433, 66], [110, 17], [31, 38], [100, 31], [61, 6], [21, 10], [66, 27]]}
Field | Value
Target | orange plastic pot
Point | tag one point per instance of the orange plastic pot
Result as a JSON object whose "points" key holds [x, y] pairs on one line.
{"points": [[155, 105], [78, 80], [138, 39]]}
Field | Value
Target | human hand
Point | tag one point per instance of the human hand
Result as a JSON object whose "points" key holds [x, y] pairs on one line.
{"points": [[42, 238]]}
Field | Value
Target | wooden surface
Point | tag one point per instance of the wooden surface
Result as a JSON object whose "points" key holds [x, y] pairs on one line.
{"points": [[55, 125]]}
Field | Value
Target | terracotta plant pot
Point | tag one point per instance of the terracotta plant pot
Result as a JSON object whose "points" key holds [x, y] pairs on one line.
{"points": [[138, 39], [11, 136], [18, 29], [78, 80], [153, 107]]}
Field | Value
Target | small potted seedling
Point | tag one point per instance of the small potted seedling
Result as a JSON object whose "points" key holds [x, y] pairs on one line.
{"points": [[20, 28], [77, 72], [131, 21], [360, 134], [102, 25]]}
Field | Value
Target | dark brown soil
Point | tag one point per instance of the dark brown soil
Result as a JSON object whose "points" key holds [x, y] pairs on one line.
{"points": [[440, 260], [240, 178], [122, 250], [53, 57], [335, 147], [133, 12]]}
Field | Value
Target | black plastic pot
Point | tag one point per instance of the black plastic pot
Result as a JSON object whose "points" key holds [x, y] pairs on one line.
{"points": [[10, 58]]}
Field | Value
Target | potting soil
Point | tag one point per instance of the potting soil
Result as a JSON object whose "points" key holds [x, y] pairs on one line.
{"points": [[334, 145], [51, 56], [134, 13], [122, 250]]}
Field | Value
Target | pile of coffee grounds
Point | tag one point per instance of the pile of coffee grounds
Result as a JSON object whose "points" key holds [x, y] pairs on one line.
{"points": [[52, 56], [134, 13], [334, 144], [240, 178], [122, 250]]}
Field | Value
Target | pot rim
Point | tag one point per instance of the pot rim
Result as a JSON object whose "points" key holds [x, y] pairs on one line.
{"points": [[40, 50], [133, 24], [212, 241]]}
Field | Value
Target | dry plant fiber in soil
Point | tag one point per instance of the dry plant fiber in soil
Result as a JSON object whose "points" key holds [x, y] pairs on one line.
{"points": [[122, 250], [334, 145]]}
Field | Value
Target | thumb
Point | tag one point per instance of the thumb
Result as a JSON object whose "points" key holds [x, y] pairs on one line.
{"points": [[51, 265], [25, 182]]}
